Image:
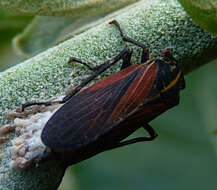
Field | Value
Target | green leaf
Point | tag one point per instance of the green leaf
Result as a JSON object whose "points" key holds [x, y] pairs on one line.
{"points": [[75, 8], [42, 33], [10, 25], [8, 57], [203, 12]]}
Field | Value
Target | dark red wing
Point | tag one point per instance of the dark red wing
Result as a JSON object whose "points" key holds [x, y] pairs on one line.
{"points": [[99, 108]]}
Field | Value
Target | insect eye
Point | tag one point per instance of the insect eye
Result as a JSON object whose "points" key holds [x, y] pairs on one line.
{"points": [[165, 52], [168, 57]]}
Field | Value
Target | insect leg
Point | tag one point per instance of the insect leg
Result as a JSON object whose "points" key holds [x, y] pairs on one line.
{"points": [[145, 50], [147, 127], [150, 131], [74, 59], [99, 70], [48, 103], [145, 55], [126, 60]]}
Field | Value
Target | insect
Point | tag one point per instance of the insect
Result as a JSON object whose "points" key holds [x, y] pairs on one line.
{"points": [[101, 116]]}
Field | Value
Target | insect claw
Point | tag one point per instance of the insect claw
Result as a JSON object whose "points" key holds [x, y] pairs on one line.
{"points": [[115, 22], [112, 22], [72, 59]]}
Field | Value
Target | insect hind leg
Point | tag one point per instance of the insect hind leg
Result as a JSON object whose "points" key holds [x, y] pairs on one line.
{"points": [[147, 127], [145, 51]]}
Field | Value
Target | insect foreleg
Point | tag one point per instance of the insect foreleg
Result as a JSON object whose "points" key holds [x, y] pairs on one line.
{"points": [[145, 50]]}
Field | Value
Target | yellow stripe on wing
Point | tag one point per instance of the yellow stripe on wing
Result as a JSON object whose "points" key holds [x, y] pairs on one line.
{"points": [[173, 82]]}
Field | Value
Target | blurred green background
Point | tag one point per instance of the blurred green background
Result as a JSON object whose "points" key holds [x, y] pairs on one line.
{"points": [[182, 157]]}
